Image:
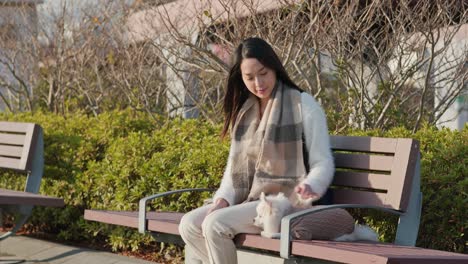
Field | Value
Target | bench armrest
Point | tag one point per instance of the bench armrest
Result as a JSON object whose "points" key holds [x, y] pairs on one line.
{"points": [[285, 240], [142, 223]]}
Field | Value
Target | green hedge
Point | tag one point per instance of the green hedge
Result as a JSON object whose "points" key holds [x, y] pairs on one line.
{"points": [[111, 161]]}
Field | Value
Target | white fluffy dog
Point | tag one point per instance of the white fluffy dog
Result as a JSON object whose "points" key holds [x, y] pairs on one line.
{"points": [[272, 208]]}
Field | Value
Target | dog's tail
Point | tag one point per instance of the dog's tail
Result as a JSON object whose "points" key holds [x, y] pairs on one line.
{"points": [[361, 232]]}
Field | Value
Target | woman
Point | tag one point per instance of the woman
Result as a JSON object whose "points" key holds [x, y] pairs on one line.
{"points": [[269, 118]]}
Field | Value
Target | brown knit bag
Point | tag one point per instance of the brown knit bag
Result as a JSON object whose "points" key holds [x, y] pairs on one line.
{"points": [[323, 225]]}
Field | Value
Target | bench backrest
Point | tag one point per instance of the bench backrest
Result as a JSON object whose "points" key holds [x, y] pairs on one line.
{"points": [[374, 171], [21, 149], [17, 141]]}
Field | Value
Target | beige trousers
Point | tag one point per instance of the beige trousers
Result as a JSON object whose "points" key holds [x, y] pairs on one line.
{"points": [[209, 237]]}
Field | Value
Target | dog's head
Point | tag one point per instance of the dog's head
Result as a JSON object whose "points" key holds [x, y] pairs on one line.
{"points": [[271, 206]]}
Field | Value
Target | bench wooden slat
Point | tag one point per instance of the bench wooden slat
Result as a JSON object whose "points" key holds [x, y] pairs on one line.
{"points": [[356, 252], [12, 139], [256, 241], [11, 151], [402, 172], [9, 163], [121, 218], [15, 127], [362, 179], [166, 222], [24, 198], [29, 133], [363, 162], [349, 196], [364, 144], [329, 252], [32, 134]]}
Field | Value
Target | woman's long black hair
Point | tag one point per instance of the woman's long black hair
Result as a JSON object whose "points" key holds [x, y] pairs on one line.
{"points": [[237, 93]]}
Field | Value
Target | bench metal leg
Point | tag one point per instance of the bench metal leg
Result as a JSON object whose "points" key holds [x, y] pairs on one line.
{"points": [[33, 182], [23, 213], [18, 225]]}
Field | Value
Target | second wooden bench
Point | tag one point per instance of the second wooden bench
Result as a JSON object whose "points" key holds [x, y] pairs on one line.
{"points": [[22, 150]]}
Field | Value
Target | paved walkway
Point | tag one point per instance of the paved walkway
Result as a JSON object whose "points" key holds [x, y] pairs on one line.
{"points": [[22, 249]]}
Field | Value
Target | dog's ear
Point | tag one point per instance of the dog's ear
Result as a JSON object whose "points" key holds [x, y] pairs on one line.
{"points": [[262, 196]]}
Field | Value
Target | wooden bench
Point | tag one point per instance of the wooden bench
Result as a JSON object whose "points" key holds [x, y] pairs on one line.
{"points": [[22, 150], [371, 172]]}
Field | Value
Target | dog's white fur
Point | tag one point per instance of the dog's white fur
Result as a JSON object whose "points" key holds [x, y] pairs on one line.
{"points": [[272, 208]]}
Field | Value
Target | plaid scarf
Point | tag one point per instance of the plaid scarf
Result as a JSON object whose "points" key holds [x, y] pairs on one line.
{"points": [[267, 154]]}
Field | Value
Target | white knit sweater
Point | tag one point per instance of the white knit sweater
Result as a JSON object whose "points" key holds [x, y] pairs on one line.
{"points": [[318, 147]]}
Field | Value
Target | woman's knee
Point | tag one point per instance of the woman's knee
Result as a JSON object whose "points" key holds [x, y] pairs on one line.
{"points": [[188, 226], [213, 226]]}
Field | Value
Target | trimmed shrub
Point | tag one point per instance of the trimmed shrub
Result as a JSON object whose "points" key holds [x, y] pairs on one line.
{"points": [[113, 160]]}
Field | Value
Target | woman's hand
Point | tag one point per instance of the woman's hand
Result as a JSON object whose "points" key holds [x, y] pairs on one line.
{"points": [[218, 204], [305, 191]]}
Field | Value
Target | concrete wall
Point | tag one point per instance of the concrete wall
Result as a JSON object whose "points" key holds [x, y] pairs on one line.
{"points": [[445, 77], [456, 116]]}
